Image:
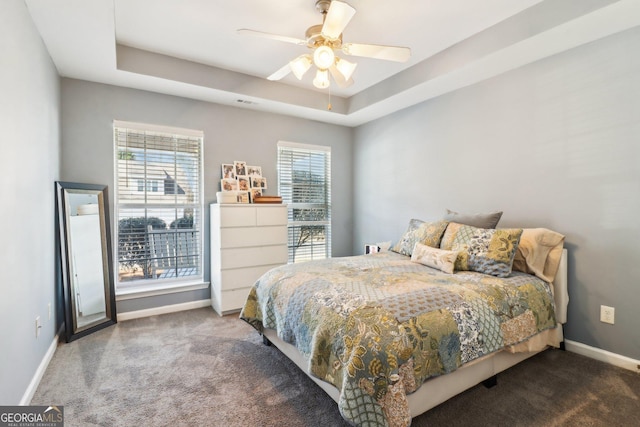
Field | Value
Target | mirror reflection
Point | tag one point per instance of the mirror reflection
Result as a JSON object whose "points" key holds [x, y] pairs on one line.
{"points": [[85, 243], [86, 258]]}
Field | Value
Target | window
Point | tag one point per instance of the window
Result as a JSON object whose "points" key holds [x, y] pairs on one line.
{"points": [[158, 204], [304, 182], [152, 185]]}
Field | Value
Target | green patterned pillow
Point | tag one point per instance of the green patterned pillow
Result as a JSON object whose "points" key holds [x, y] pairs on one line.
{"points": [[427, 233], [488, 251]]}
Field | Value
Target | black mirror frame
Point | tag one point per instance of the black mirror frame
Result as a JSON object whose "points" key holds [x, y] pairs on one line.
{"points": [[63, 246]]}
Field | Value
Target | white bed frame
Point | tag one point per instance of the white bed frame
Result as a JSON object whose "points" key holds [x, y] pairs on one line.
{"points": [[439, 389]]}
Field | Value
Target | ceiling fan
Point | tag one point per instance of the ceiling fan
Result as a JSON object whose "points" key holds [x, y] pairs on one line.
{"points": [[326, 38]]}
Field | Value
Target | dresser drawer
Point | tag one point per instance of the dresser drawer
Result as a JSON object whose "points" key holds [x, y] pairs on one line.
{"points": [[268, 215], [241, 237], [237, 216], [243, 277], [230, 301], [253, 257]]}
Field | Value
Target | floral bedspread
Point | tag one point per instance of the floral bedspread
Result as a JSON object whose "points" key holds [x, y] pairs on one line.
{"points": [[377, 326]]}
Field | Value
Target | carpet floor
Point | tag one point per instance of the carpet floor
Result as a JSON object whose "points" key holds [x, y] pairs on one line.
{"points": [[195, 368]]}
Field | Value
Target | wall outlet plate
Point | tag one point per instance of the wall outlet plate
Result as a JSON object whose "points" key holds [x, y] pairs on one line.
{"points": [[607, 314]]}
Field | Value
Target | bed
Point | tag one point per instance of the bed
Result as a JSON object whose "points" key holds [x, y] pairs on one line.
{"points": [[389, 337]]}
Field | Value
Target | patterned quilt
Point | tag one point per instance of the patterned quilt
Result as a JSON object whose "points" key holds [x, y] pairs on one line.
{"points": [[377, 326]]}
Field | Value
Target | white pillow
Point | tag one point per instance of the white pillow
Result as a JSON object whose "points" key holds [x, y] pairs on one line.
{"points": [[435, 258], [384, 246]]}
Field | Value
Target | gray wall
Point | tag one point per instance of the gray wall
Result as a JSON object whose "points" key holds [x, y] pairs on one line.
{"points": [[88, 111], [553, 144], [29, 165]]}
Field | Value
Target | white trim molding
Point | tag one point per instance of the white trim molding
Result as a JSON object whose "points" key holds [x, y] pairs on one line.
{"points": [[158, 289], [603, 355], [37, 376], [304, 146], [158, 128], [173, 308]]}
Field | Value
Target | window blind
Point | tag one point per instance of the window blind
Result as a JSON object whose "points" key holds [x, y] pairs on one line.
{"points": [[159, 203], [304, 182]]}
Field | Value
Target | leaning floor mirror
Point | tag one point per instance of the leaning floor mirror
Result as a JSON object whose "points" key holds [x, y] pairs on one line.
{"points": [[85, 254]]}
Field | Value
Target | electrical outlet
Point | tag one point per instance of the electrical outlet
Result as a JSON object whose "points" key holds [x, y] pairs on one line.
{"points": [[607, 314], [38, 326]]}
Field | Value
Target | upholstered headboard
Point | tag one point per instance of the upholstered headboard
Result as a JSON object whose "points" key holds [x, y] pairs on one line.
{"points": [[560, 289]]}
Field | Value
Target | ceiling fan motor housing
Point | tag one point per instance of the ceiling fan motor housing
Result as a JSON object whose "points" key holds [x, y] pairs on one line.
{"points": [[316, 39]]}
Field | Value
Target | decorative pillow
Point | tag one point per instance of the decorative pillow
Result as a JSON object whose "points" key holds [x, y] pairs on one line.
{"points": [[435, 258], [415, 223], [428, 233], [539, 253], [384, 246], [489, 220], [488, 251]]}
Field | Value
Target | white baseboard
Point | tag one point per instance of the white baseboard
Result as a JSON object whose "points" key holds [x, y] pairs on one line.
{"points": [[128, 315], [37, 377], [603, 355]]}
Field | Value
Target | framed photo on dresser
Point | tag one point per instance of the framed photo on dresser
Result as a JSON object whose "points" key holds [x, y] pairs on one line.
{"points": [[254, 170], [255, 192], [243, 183], [243, 196], [259, 182], [229, 184], [228, 171], [240, 167]]}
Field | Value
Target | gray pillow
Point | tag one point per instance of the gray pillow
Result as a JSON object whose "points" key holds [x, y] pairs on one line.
{"points": [[489, 220], [414, 224]]}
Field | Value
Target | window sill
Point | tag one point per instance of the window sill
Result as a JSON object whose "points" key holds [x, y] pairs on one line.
{"points": [[159, 289]]}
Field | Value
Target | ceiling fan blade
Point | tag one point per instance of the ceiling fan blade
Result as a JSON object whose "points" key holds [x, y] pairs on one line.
{"points": [[339, 78], [281, 73], [287, 39], [389, 53], [336, 20]]}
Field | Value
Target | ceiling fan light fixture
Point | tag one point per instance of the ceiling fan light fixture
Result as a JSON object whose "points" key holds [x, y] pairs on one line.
{"points": [[300, 65], [323, 40], [345, 67], [322, 79], [323, 57]]}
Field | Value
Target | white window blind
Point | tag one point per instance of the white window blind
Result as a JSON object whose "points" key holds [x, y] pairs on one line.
{"points": [[159, 204], [304, 182]]}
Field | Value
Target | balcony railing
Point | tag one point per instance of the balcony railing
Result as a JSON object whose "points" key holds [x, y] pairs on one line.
{"points": [[174, 253], [160, 254]]}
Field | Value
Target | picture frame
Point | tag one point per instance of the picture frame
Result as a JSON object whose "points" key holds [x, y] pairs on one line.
{"points": [[254, 170], [228, 184], [244, 184], [259, 182], [255, 192], [228, 171], [240, 167], [242, 196]]}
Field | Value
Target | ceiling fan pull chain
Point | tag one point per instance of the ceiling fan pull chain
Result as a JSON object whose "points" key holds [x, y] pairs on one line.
{"points": [[329, 106]]}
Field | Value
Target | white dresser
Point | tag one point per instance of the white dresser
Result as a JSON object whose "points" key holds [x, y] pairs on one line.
{"points": [[246, 242]]}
